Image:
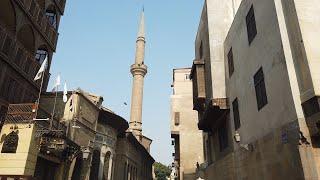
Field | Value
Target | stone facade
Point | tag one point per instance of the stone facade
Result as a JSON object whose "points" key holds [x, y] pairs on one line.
{"points": [[28, 33], [267, 126], [133, 160], [184, 130]]}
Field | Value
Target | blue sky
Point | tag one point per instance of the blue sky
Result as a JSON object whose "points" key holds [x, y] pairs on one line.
{"points": [[97, 46]]}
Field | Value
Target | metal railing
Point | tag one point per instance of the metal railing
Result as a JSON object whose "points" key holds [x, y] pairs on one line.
{"points": [[21, 113]]}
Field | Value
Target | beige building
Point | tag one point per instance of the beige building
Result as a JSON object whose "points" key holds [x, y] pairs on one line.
{"points": [[208, 76], [187, 139], [265, 123]]}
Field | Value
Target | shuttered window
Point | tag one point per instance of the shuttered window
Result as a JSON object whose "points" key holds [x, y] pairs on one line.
{"points": [[236, 115], [230, 63], [260, 88], [251, 25]]}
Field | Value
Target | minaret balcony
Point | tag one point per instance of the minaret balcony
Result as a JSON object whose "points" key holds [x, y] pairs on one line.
{"points": [[139, 69]]}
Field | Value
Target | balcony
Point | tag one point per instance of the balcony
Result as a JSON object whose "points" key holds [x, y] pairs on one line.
{"points": [[214, 113], [40, 21], [53, 139], [19, 58], [198, 83]]}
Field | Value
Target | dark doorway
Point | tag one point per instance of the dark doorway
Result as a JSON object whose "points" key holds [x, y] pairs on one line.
{"points": [[45, 170], [94, 171], [76, 174]]}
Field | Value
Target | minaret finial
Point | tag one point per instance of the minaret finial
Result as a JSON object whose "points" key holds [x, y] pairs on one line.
{"points": [[141, 33]]}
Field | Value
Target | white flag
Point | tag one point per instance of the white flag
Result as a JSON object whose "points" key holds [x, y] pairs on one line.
{"points": [[65, 92], [41, 70], [57, 83]]}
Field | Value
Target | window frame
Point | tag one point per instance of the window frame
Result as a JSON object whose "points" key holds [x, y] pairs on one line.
{"points": [[236, 114], [260, 89], [230, 62], [251, 25], [41, 55], [52, 18]]}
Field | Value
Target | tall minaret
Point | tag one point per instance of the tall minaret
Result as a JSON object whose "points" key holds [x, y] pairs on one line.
{"points": [[138, 71]]}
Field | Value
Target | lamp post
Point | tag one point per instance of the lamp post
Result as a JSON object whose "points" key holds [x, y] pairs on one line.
{"points": [[85, 153]]}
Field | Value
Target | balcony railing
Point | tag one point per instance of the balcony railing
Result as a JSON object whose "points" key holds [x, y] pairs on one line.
{"points": [[19, 57], [40, 20], [26, 113]]}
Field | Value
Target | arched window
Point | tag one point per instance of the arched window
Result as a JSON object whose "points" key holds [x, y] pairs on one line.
{"points": [[7, 14], [26, 38], [41, 55], [10, 143], [52, 16], [106, 168]]}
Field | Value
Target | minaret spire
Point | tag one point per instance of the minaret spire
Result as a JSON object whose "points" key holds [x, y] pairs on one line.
{"points": [[141, 32], [138, 71]]}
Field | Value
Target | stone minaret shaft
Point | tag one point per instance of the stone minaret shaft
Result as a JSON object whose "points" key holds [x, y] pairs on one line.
{"points": [[138, 71]]}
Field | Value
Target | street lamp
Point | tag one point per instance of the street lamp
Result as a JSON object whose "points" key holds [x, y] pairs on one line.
{"points": [[85, 153]]}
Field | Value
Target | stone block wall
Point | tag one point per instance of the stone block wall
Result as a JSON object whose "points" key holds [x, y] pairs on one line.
{"points": [[275, 156]]}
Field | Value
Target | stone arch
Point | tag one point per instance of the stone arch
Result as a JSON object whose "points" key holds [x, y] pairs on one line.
{"points": [[26, 37], [8, 14], [107, 167]]}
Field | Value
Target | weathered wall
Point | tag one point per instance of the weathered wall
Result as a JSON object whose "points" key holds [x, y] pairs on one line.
{"points": [[270, 158]]}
